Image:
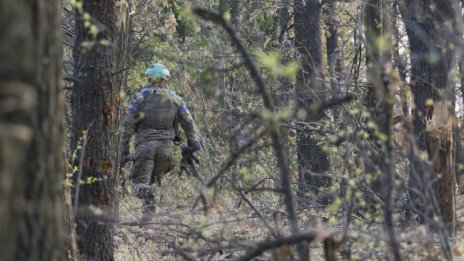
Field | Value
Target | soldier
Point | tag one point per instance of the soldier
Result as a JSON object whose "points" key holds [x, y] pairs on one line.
{"points": [[153, 116]]}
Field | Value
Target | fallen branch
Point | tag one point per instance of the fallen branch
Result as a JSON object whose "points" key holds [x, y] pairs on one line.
{"points": [[291, 240], [334, 102]]}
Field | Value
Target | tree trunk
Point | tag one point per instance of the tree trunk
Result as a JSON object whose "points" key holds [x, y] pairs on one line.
{"points": [[234, 11], [122, 38], [95, 104], [399, 60], [380, 100], [311, 158], [31, 132], [429, 29], [375, 29], [333, 59], [458, 138]]}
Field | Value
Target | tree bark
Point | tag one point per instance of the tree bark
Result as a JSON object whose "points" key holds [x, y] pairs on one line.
{"points": [[380, 101], [375, 29], [234, 11], [311, 158], [95, 105], [458, 138], [399, 60], [333, 59], [429, 30], [31, 132]]}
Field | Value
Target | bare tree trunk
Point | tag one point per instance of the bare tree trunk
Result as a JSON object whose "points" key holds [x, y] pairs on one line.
{"points": [[380, 101], [31, 132], [234, 12], [311, 158], [431, 64], [95, 105], [333, 59], [122, 36], [375, 24], [458, 138], [399, 60]]}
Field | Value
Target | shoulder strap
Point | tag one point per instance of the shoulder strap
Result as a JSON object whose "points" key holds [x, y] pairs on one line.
{"points": [[146, 92]]}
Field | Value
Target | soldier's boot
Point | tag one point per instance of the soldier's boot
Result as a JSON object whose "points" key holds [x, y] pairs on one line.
{"points": [[148, 210], [143, 191]]}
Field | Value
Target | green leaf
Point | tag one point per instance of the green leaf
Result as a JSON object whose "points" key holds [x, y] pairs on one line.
{"points": [[87, 16], [94, 30], [104, 42], [227, 16], [301, 114], [271, 61], [433, 58], [290, 69], [334, 206]]}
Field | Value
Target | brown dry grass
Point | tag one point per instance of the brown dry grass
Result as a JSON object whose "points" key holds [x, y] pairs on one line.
{"points": [[176, 225]]}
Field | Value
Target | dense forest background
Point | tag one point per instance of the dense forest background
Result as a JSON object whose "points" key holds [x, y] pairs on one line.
{"points": [[332, 130]]}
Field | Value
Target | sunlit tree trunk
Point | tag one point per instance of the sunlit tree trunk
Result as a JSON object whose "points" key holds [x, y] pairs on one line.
{"points": [[95, 103], [398, 58], [31, 132]]}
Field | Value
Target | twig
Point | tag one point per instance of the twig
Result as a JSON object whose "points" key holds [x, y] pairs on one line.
{"points": [[182, 253], [120, 71], [273, 231], [233, 157], [79, 175]]}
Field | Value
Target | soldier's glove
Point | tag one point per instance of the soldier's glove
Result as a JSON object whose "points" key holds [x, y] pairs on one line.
{"points": [[188, 162], [187, 155], [177, 139], [125, 158], [194, 145]]}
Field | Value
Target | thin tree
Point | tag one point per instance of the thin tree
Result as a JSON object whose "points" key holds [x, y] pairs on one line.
{"points": [[31, 132], [380, 99]]}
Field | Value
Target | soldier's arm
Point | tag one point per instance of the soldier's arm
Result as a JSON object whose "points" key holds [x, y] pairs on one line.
{"points": [[129, 125], [188, 125]]}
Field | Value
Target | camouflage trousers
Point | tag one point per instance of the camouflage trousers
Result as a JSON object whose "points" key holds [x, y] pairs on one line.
{"points": [[152, 160]]}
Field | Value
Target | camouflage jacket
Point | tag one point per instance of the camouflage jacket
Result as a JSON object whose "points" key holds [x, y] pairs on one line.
{"points": [[143, 117]]}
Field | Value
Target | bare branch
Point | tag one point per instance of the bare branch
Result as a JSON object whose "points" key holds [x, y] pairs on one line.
{"points": [[268, 245], [275, 133]]}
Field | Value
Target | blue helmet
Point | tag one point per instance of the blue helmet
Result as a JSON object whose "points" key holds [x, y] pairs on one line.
{"points": [[157, 71]]}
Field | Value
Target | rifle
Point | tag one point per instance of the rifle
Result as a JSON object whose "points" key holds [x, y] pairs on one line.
{"points": [[189, 162]]}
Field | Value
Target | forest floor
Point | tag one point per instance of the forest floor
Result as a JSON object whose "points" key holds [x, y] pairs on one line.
{"points": [[178, 226]]}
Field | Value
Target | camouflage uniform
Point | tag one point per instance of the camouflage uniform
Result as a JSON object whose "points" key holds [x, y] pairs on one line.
{"points": [[153, 116]]}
